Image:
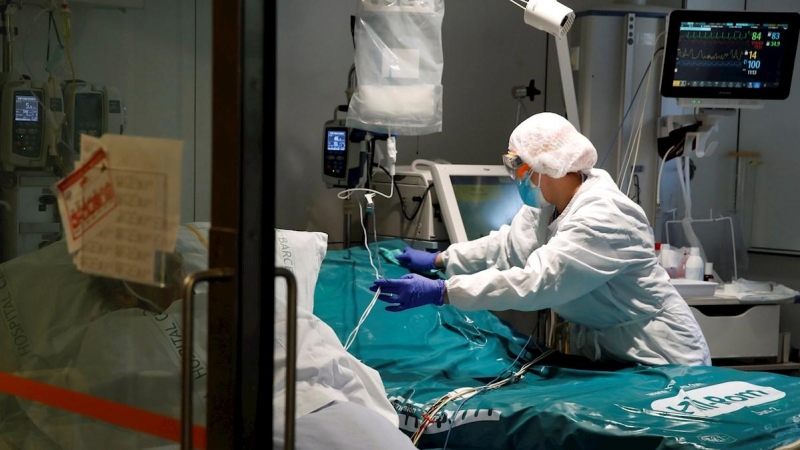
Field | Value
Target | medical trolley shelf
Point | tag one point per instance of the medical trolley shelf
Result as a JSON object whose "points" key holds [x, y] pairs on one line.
{"points": [[737, 330]]}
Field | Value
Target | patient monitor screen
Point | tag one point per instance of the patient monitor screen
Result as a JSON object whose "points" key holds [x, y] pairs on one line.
{"points": [[730, 55], [485, 203], [734, 54]]}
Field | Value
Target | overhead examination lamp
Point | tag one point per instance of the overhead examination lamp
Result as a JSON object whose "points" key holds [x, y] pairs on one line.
{"points": [[555, 19]]}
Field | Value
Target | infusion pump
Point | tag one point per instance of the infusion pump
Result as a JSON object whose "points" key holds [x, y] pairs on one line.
{"points": [[30, 114], [93, 110]]}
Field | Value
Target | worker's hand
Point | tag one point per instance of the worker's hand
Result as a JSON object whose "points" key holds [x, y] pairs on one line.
{"points": [[410, 291], [418, 260]]}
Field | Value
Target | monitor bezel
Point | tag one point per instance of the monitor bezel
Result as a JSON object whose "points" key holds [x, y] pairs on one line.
{"points": [[671, 48], [447, 197]]}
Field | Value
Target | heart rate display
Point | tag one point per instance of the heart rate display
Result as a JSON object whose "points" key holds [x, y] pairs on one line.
{"points": [[729, 55]]}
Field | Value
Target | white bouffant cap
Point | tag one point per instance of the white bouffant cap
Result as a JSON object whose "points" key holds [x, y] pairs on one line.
{"points": [[552, 146]]}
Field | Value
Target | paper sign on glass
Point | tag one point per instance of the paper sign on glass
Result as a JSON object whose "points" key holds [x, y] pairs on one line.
{"points": [[87, 199]]}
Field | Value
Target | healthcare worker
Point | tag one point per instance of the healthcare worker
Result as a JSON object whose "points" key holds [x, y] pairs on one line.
{"points": [[579, 246]]}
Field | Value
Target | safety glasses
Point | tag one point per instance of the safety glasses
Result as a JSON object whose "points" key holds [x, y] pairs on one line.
{"points": [[515, 166]]}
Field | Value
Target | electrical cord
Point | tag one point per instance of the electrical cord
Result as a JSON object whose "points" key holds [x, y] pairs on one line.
{"points": [[402, 202], [637, 190]]}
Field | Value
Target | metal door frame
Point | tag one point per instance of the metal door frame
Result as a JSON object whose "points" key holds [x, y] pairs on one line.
{"points": [[240, 341]]}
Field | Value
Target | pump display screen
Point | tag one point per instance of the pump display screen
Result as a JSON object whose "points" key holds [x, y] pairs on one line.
{"points": [[28, 126], [337, 140], [485, 202], [747, 55], [26, 108], [88, 116]]}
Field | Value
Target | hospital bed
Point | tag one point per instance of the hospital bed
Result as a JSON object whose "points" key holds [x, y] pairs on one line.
{"points": [[424, 353], [67, 329]]}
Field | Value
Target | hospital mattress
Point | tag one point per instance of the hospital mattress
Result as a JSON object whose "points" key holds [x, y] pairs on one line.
{"points": [[424, 353]]}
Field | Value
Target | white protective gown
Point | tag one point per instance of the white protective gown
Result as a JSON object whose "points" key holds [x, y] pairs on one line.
{"points": [[595, 266]]}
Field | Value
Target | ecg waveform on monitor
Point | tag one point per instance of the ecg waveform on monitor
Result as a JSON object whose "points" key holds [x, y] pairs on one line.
{"points": [[734, 54], [716, 35]]}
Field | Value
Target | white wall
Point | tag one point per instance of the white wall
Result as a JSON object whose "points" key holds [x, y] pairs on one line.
{"points": [[149, 55], [487, 50]]}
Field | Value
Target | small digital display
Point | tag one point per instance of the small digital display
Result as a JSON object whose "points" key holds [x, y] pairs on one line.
{"points": [[485, 202], [88, 116], [26, 108], [337, 141], [730, 55]]}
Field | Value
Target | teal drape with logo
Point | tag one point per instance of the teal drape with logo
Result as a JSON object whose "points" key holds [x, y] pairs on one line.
{"points": [[427, 352]]}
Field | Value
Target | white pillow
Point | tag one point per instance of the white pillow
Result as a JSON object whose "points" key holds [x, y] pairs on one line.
{"points": [[302, 253]]}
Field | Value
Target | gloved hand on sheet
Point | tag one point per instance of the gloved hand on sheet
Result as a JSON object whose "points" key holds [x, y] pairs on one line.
{"points": [[418, 260], [410, 291]]}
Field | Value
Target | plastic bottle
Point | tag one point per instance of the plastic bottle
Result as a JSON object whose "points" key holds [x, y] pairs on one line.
{"points": [[658, 251], [668, 260], [709, 275], [695, 267], [683, 255]]}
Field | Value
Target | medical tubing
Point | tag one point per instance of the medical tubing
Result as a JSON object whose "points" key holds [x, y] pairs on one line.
{"points": [[630, 105], [661, 171], [149, 302], [622, 123], [352, 337], [641, 124], [447, 398], [371, 146], [629, 147], [687, 201], [637, 138], [377, 244], [482, 389], [353, 334], [347, 192], [519, 355], [366, 243], [517, 4], [632, 153]]}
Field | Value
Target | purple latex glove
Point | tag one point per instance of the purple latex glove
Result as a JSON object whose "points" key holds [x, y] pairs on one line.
{"points": [[418, 260], [410, 291]]}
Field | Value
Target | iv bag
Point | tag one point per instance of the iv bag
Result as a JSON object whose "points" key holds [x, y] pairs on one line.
{"points": [[399, 64]]}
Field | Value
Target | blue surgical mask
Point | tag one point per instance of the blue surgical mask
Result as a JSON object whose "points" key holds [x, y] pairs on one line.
{"points": [[531, 195]]}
